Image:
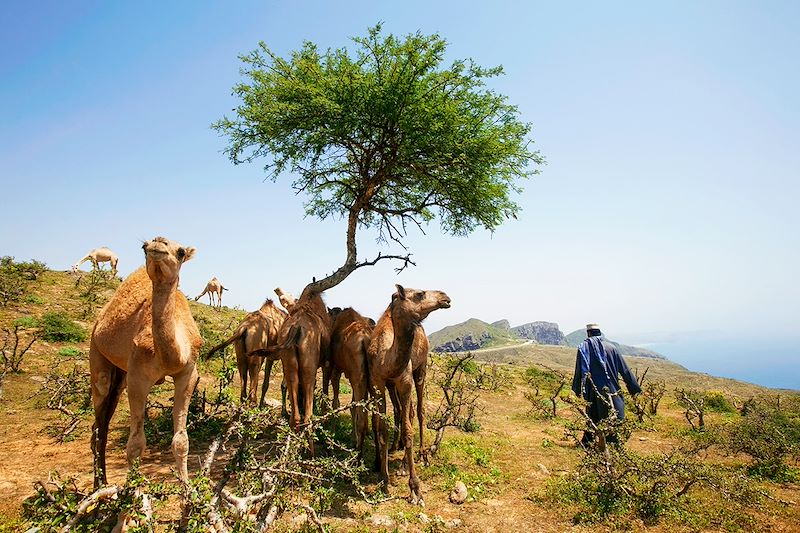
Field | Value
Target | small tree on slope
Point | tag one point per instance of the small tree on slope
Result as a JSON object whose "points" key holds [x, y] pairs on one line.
{"points": [[384, 136]]}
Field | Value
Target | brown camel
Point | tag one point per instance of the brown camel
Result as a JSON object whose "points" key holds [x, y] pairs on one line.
{"points": [[213, 287], [99, 255], [398, 353], [146, 332], [350, 338], [258, 330], [303, 344], [287, 300]]}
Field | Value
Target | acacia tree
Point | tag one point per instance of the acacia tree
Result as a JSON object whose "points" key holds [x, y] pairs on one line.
{"points": [[384, 136]]}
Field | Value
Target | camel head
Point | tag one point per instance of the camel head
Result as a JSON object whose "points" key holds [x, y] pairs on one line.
{"points": [[418, 304], [287, 300], [163, 259]]}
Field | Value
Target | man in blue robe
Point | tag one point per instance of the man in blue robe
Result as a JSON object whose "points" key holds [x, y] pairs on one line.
{"points": [[597, 367]]}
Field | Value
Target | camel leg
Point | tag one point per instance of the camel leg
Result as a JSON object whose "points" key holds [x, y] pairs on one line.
{"points": [[138, 388], [327, 374], [359, 416], [253, 368], [337, 379], [185, 383], [267, 371], [419, 384], [292, 382], [108, 382], [242, 364], [380, 431], [397, 420], [307, 386], [404, 393]]}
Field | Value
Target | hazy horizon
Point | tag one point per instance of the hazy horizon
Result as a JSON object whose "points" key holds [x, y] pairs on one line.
{"points": [[666, 205]]}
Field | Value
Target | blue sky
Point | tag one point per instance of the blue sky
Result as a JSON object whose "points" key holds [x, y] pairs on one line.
{"points": [[670, 130]]}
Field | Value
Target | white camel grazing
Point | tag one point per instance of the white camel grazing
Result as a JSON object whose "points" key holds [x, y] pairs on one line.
{"points": [[99, 255], [213, 287]]}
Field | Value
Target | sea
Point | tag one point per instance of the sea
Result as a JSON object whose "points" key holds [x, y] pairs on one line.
{"points": [[771, 362]]}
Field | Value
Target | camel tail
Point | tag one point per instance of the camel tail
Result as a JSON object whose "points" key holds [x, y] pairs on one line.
{"points": [[224, 288], [292, 339], [365, 357], [223, 344]]}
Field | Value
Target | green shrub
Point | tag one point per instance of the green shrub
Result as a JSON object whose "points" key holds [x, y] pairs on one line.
{"points": [[58, 327], [15, 278], [622, 484], [770, 434], [70, 351], [717, 401]]}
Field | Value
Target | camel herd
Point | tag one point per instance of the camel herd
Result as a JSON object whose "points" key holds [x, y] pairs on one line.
{"points": [[146, 332]]}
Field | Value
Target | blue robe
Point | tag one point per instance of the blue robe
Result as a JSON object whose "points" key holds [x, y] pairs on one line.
{"points": [[602, 361]]}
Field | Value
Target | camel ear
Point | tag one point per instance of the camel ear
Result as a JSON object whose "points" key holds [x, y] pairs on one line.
{"points": [[401, 292], [189, 253]]}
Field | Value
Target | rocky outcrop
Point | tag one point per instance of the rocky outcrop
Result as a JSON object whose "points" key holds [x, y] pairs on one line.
{"points": [[501, 324], [541, 332], [462, 344]]}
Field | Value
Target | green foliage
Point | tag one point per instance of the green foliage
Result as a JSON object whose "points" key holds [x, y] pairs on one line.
{"points": [[383, 133], [70, 351], [15, 278], [621, 483], [717, 402], [57, 503], [26, 322], [465, 459], [94, 289], [770, 434], [59, 327]]}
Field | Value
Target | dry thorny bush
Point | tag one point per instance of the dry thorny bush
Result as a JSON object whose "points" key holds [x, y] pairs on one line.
{"points": [[263, 468], [613, 481], [264, 471], [459, 380]]}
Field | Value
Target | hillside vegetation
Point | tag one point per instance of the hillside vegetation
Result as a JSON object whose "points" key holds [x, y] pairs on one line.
{"points": [[512, 445]]}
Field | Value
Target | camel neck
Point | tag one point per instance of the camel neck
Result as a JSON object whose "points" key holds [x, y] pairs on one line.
{"points": [[164, 337], [404, 331]]}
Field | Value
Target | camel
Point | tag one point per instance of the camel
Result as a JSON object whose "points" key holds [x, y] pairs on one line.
{"points": [[397, 356], [350, 336], [303, 344], [287, 300], [145, 333], [213, 287], [259, 329], [99, 255]]}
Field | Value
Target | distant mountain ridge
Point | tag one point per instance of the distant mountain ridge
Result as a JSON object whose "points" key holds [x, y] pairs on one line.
{"points": [[474, 334]]}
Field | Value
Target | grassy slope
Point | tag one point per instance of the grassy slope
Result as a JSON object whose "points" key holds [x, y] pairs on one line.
{"points": [[498, 464], [475, 328]]}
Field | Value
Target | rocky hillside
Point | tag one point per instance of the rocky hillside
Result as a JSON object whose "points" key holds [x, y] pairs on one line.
{"points": [[577, 336], [471, 335], [474, 334], [541, 332]]}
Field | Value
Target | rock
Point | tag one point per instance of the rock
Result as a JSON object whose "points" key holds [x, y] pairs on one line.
{"points": [[459, 494], [541, 332], [381, 520], [272, 403], [643, 439], [543, 469], [424, 518], [455, 522]]}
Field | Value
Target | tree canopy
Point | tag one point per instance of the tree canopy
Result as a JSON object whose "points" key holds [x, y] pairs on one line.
{"points": [[383, 135]]}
